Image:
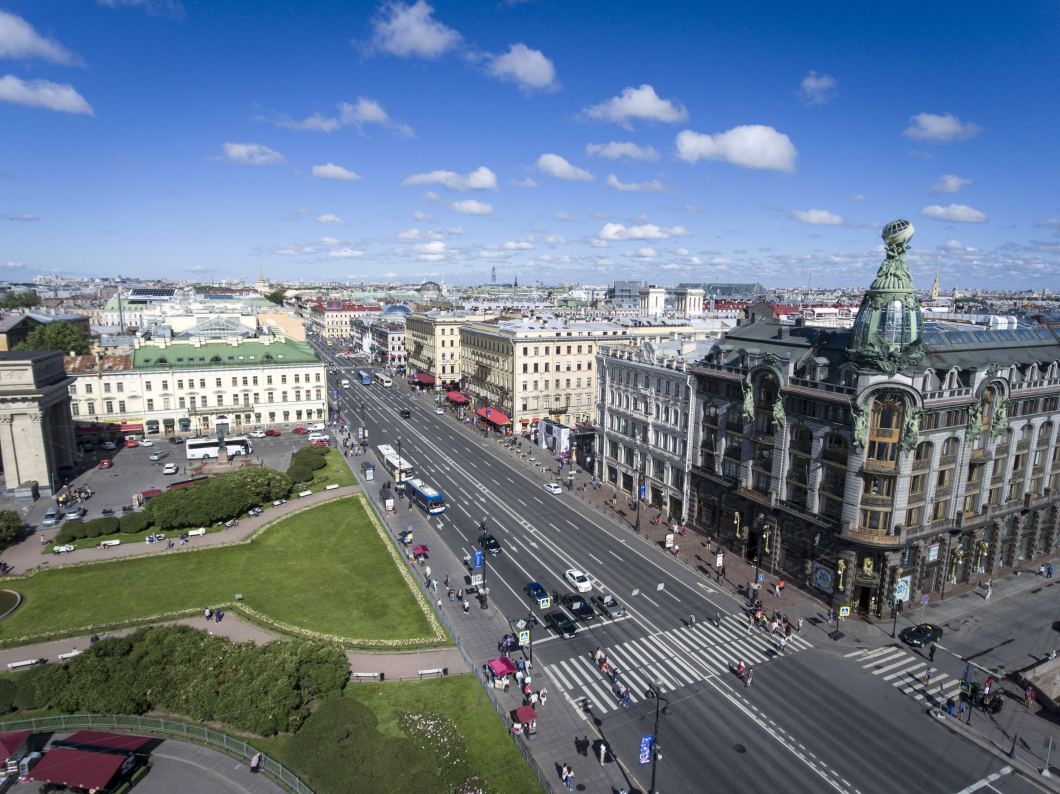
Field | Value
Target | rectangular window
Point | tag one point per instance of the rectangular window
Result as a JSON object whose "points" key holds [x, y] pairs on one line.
{"points": [[283, 379], [147, 385], [106, 388], [271, 396], [917, 484], [165, 403], [254, 380], [914, 516], [876, 520], [180, 384], [121, 387], [165, 385], [629, 456], [180, 403], [971, 504], [283, 397], [150, 404], [256, 397], [202, 383], [91, 409], [940, 510], [268, 380], [121, 406], [110, 406], [191, 401], [74, 409]]}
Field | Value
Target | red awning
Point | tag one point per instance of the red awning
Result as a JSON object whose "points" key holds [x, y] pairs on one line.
{"points": [[501, 666], [137, 428], [456, 396], [77, 768], [11, 742], [424, 378], [420, 550], [525, 714], [105, 741], [495, 416], [145, 495]]}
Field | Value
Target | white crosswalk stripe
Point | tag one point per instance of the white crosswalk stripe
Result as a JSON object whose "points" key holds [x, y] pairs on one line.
{"points": [[905, 672], [676, 658]]}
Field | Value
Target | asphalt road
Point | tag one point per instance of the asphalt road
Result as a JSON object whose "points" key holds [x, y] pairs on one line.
{"points": [[815, 719]]}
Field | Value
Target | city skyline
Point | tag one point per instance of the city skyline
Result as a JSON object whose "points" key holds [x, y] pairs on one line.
{"points": [[585, 143]]}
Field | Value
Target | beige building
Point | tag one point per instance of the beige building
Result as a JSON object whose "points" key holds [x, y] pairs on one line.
{"points": [[333, 319], [36, 434], [433, 342]]}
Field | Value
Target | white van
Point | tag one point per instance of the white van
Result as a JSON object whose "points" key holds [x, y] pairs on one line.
{"points": [[345, 383]]}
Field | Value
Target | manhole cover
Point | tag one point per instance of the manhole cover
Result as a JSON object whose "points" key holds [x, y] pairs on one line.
{"points": [[741, 749]]}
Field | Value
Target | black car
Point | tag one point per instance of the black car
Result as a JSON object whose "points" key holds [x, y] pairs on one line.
{"points": [[490, 544], [578, 605], [919, 636], [406, 413], [561, 624]]}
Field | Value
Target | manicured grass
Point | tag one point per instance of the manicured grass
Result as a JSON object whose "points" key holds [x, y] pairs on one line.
{"points": [[337, 472], [7, 601], [325, 569], [346, 750]]}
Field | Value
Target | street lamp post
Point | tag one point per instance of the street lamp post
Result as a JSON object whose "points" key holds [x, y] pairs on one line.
{"points": [[482, 587], [400, 490], [530, 620], [656, 749], [640, 486]]}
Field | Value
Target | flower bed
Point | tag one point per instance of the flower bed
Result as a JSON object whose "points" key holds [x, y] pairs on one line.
{"points": [[437, 734]]}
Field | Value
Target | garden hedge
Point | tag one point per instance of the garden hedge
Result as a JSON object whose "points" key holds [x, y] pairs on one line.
{"points": [[217, 499], [10, 526], [133, 523], [300, 473]]}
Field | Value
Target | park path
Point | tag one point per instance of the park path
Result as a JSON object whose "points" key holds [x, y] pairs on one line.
{"points": [[26, 554]]}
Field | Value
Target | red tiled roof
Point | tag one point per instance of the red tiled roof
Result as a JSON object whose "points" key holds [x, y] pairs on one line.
{"points": [[10, 742]]}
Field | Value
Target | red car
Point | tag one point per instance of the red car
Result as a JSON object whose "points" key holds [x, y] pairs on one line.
{"points": [[131, 443], [299, 430], [320, 442], [105, 463], [272, 432]]}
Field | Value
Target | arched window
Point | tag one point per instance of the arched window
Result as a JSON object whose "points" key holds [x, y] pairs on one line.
{"points": [[215, 360], [802, 437], [950, 446], [923, 452], [836, 444], [1025, 434], [767, 395], [886, 419], [894, 331], [1044, 433], [161, 361]]}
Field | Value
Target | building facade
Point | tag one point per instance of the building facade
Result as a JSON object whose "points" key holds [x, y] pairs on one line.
{"points": [[333, 319], [165, 387], [388, 344], [433, 343], [894, 460]]}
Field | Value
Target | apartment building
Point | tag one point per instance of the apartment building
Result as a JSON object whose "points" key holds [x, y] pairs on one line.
{"points": [[333, 319], [388, 344], [433, 342]]}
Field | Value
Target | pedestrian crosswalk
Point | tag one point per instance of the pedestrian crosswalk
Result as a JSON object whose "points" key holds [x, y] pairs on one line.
{"points": [[905, 672], [674, 658]]}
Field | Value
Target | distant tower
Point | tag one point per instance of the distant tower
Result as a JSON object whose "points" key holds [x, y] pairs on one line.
{"points": [[935, 286], [493, 277], [515, 289]]}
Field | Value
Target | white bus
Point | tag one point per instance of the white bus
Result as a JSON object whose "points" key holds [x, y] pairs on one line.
{"points": [[386, 381], [202, 448], [399, 469]]}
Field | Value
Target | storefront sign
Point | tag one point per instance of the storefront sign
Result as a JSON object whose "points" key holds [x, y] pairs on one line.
{"points": [[933, 553], [823, 578]]}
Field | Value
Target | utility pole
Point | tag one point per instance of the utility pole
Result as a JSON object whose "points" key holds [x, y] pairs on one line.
{"points": [[482, 588], [640, 486], [656, 749]]}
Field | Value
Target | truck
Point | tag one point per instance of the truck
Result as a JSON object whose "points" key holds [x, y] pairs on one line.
{"points": [[345, 383]]}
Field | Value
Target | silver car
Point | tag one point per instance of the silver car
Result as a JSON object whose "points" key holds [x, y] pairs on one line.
{"points": [[52, 517]]}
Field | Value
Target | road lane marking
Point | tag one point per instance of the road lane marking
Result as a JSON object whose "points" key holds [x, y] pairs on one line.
{"points": [[595, 558], [614, 555], [648, 599]]}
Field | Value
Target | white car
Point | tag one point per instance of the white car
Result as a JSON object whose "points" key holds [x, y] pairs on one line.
{"points": [[146, 443], [256, 434], [578, 580], [317, 426], [170, 468], [551, 487], [439, 411], [158, 455], [108, 445]]}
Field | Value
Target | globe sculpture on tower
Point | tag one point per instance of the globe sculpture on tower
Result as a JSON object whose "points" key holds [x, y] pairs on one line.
{"points": [[888, 333]]}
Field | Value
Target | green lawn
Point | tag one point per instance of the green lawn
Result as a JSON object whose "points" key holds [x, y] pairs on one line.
{"points": [[325, 569], [337, 472], [359, 746]]}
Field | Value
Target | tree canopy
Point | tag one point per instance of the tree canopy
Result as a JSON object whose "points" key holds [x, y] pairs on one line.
{"points": [[25, 299], [275, 296], [57, 336]]}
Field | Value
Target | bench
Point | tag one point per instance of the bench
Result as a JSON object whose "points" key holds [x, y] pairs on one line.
{"points": [[198, 532], [330, 487], [368, 675], [64, 656], [108, 543], [439, 671], [19, 665], [305, 493]]}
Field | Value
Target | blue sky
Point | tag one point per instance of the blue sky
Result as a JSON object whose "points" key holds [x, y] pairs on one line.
{"points": [[751, 141]]}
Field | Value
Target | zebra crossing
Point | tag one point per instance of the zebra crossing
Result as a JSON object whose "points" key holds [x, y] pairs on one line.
{"points": [[905, 672], [675, 658]]}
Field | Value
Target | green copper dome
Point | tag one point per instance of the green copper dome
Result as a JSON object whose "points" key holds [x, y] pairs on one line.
{"points": [[888, 333]]}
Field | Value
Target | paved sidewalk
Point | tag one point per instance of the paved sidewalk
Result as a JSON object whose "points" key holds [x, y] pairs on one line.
{"points": [[406, 666], [26, 554]]}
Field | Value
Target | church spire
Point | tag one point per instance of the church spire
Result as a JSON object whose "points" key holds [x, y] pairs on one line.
{"points": [[935, 286]]}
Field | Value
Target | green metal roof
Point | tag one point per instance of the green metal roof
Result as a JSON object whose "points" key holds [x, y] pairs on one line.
{"points": [[223, 354]]}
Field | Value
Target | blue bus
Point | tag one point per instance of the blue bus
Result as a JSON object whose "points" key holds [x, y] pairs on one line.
{"points": [[366, 377], [429, 499]]}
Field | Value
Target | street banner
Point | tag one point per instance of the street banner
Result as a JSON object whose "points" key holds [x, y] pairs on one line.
{"points": [[645, 750], [478, 559], [720, 561], [643, 491], [476, 579]]}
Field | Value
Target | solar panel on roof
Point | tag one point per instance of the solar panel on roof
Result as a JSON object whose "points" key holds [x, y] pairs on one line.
{"points": [[153, 292]]}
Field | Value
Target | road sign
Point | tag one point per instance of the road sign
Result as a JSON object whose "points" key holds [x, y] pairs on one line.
{"points": [[524, 637], [844, 612], [645, 749], [478, 559], [720, 561], [924, 600], [761, 577], [890, 603], [544, 602], [965, 686]]}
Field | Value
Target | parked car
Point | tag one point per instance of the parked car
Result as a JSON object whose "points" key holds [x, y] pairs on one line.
{"points": [[535, 591], [132, 443], [319, 442], [176, 440], [147, 443], [75, 513], [561, 624], [158, 455], [52, 517], [170, 468], [318, 426], [106, 463], [578, 605], [919, 636], [578, 580], [439, 411], [256, 434], [553, 488], [608, 605], [300, 430], [490, 544], [272, 432], [108, 445]]}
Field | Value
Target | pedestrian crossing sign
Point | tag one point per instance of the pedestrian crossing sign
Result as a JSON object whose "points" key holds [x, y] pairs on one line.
{"points": [[544, 602], [844, 612], [524, 637], [965, 687]]}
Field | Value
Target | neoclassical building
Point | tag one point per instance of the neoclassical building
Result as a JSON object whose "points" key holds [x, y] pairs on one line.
{"points": [[895, 459]]}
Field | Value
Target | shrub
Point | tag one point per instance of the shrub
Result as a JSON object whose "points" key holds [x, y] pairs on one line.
{"points": [[93, 529], [27, 691], [77, 529], [218, 499], [317, 462], [8, 688], [10, 526], [133, 523], [300, 473], [111, 527], [66, 535]]}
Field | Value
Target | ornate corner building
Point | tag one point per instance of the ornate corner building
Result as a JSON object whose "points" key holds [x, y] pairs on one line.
{"points": [[895, 459]]}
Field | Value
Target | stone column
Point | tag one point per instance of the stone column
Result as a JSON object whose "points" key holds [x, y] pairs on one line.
{"points": [[12, 473], [845, 573], [35, 462]]}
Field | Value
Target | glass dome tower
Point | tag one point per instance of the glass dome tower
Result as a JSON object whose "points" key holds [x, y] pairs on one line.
{"points": [[888, 333]]}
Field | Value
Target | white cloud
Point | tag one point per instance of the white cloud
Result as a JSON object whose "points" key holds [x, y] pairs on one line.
{"points": [[422, 216], [949, 183], [819, 218], [471, 207], [456, 230], [601, 216], [430, 252], [648, 231], [596, 242], [345, 253], [19, 41], [556, 239], [332, 171], [562, 216], [637, 103], [859, 198], [334, 220], [480, 179], [417, 235], [817, 90], [614, 150], [642, 252], [1051, 223], [430, 197], [691, 209], [304, 211], [250, 154], [640, 220], [365, 111], [529, 68], [558, 167], [750, 146], [406, 31], [167, 8], [10, 216], [329, 241], [528, 182], [43, 94], [655, 186], [957, 213], [681, 252], [521, 244], [940, 129]]}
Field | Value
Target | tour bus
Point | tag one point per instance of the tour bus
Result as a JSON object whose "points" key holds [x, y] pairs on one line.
{"points": [[203, 448], [399, 470], [366, 377], [429, 499], [386, 381]]}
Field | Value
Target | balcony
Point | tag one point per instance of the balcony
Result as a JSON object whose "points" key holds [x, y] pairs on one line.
{"points": [[801, 446], [799, 477], [881, 466], [946, 394], [981, 455], [873, 537], [758, 496], [884, 433], [916, 499], [871, 500], [825, 387], [921, 465], [1022, 446], [944, 492], [835, 489], [835, 456], [997, 479], [947, 460]]}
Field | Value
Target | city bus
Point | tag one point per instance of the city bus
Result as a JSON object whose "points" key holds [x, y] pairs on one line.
{"points": [[430, 500], [399, 469], [203, 448], [386, 381], [366, 377]]}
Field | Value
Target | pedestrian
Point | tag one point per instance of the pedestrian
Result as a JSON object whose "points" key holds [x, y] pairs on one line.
{"points": [[750, 677], [1029, 696], [603, 753], [800, 624], [783, 642], [721, 571], [718, 621], [597, 654], [541, 696], [1041, 570], [691, 621], [460, 594], [466, 606], [780, 587], [447, 580], [439, 605], [776, 590], [927, 678], [961, 708], [570, 779], [950, 706], [1049, 572], [931, 653], [750, 622]]}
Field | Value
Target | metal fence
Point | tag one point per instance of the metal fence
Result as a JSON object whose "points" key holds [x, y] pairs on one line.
{"points": [[182, 730]]}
